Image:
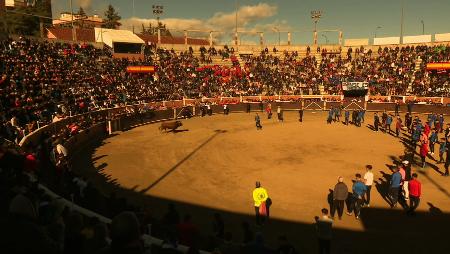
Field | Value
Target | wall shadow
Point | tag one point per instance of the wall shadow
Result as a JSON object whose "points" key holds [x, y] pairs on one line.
{"points": [[385, 230]]}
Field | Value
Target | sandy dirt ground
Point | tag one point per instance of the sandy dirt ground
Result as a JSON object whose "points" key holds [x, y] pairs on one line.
{"points": [[212, 164]]}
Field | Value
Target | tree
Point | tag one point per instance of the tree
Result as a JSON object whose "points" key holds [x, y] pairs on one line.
{"points": [[19, 23], [112, 18], [81, 12]]}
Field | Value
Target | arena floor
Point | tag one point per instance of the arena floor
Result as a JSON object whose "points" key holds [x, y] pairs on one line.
{"points": [[212, 163]]}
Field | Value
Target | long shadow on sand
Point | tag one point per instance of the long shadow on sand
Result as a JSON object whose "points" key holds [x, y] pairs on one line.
{"points": [[385, 230], [217, 132]]}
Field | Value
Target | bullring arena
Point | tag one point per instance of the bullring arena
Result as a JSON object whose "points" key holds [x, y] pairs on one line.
{"points": [[161, 142], [210, 164]]}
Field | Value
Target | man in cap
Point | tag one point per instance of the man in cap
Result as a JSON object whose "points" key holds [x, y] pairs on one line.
{"points": [[260, 197]]}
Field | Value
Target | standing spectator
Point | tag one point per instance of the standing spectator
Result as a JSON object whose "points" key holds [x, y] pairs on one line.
{"points": [[260, 197], [359, 189], [376, 121], [324, 231], [396, 179], [280, 114], [187, 231], [368, 181], [226, 110], [258, 122], [447, 161], [415, 191], [218, 226], [424, 151], [388, 123], [300, 115], [442, 148], [269, 111], [347, 116], [433, 139], [340, 194], [398, 126]]}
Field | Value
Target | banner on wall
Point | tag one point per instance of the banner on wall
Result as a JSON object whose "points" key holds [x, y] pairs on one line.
{"points": [[141, 69], [438, 66]]}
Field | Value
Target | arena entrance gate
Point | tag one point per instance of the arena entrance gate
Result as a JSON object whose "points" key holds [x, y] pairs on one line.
{"points": [[313, 104], [354, 105]]}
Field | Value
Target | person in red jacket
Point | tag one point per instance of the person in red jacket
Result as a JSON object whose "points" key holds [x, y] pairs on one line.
{"points": [[415, 191]]}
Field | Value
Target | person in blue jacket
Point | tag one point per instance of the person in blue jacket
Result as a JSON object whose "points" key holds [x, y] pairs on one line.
{"points": [[396, 180], [433, 139], [357, 199]]}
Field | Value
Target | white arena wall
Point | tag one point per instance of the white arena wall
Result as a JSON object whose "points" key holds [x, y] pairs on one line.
{"points": [[442, 37], [417, 38], [386, 40], [356, 42]]}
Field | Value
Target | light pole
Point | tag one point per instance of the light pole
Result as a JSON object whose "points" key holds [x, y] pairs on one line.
{"points": [[158, 10], [326, 38], [279, 36], [401, 23], [73, 27], [376, 29], [315, 16], [423, 26], [236, 23]]}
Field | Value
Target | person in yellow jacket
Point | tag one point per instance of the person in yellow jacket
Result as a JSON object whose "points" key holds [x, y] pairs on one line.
{"points": [[260, 196]]}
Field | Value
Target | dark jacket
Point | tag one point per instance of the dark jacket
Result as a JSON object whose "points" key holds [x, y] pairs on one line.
{"points": [[340, 191]]}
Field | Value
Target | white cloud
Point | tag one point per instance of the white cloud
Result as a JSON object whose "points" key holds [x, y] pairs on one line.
{"points": [[86, 4], [220, 21]]}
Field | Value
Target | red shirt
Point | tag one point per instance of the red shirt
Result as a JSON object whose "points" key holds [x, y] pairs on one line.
{"points": [[415, 188]]}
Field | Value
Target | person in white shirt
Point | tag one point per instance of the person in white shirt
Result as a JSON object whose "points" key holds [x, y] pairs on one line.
{"points": [[368, 181]]}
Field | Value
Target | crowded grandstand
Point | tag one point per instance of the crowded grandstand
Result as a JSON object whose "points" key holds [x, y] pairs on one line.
{"points": [[53, 90]]}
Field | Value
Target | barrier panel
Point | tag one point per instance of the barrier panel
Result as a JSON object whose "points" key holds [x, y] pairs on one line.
{"points": [[381, 106], [129, 116]]}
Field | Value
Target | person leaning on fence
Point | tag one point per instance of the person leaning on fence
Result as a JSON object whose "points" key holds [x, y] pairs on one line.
{"points": [[262, 203]]}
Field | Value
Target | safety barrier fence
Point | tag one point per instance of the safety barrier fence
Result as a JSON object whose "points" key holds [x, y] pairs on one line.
{"points": [[107, 121]]}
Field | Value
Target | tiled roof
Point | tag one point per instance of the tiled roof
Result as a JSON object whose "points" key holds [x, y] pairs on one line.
{"points": [[66, 34], [172, 40]]}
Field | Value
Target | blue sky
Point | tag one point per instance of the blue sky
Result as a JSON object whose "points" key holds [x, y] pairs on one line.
{"points": [[357, 18]]}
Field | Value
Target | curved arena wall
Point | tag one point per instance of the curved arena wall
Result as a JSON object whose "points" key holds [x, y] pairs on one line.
{"points": [[123, 118]]}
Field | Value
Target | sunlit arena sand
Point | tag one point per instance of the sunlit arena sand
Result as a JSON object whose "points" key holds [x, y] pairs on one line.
{"points": [[212, 163]]}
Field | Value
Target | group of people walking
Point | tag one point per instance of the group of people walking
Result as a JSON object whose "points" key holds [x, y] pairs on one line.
{"points": [[402, 184]]}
